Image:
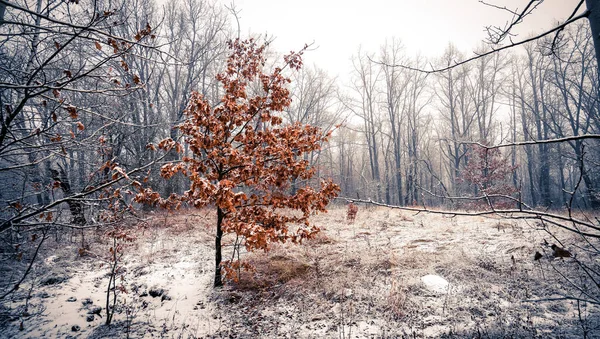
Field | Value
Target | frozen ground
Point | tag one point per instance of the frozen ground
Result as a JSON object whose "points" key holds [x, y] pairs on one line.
{"points": [[389, 274]]}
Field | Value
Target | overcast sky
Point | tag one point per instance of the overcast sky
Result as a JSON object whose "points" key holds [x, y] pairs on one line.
{"points": [[339, 27]]}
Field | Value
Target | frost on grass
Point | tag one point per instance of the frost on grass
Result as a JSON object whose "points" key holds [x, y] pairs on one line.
{"points": [[360, 280]]}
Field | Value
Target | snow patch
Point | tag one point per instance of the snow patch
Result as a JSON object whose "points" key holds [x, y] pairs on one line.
{"points": [[435, 283]]}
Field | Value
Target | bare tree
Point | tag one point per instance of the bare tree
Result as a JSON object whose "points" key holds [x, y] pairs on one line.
{"points": [[52, 64], [573, 79], [366, 79], [487, 79], [535, 121], [315, 101], [415, 101], [455, 111], [83, 88], [396, 82], [196, 32]]}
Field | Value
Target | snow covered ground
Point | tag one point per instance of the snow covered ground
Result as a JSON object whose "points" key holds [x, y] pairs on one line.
{"points": [[389, 274]]}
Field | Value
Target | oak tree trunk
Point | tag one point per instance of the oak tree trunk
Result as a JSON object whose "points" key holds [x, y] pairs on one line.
{"points": [[218, 254]]}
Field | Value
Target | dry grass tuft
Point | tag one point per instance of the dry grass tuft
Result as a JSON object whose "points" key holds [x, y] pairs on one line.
{"points": [[271, 271], [396, 300], [502, 226], [403, 217], [415, 259], [320, 238]]}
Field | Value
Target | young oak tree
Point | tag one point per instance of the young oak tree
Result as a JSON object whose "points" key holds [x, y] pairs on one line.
{"points": [[245, 157], [489, 174]]}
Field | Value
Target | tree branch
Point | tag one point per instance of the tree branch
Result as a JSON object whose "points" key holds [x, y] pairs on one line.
{"points": [[492, 51], [535, 142], [504, 213]]}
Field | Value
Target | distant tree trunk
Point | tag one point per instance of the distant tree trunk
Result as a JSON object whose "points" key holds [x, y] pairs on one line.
{"points": [[388, 199], [76, 207], [513, 104], [594, 18], [589, 183], [416, 104], [561, 168], [395, 87], [536, 71], [457, 114], [526, 136], [366, 87], [388, 172], [398, 171], [344, 167]]}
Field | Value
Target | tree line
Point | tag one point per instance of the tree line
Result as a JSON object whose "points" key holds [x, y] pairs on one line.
{"points": [[416, 133], [87, 89]]}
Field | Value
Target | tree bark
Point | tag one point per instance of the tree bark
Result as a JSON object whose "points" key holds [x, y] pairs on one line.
{"points": [[593, 7], [218, 254], [76, 207]]}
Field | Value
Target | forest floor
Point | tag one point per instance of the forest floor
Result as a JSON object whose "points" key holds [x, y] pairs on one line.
{"points": [[366, 279]]}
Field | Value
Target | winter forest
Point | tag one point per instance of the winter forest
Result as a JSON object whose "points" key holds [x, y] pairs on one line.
{"points": [[165, 174]]}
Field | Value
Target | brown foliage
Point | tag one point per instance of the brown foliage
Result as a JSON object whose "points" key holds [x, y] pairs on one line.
{"points": [[245, 157], [488, 172]]}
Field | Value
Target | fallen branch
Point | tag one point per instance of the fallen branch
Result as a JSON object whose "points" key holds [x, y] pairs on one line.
{"points": [[552, 218]]}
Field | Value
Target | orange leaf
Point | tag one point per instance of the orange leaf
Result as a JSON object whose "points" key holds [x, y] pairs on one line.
{"points": [[72, 111]]}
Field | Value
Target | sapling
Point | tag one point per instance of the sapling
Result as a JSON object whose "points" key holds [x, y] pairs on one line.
{"points": [[245, 158], [119, 238]]}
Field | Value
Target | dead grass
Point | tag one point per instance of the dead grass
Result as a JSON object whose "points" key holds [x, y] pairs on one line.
{"points": [[320, 239], [403, 217], [271, 270]]}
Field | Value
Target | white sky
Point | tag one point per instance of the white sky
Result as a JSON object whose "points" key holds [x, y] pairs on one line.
{"points": [[339, 27]]}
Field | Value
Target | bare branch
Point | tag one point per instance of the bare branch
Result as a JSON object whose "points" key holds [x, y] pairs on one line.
{"points": [[555, 40], [534, 142], [490, 52], [503, 33], [551, 218]]}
